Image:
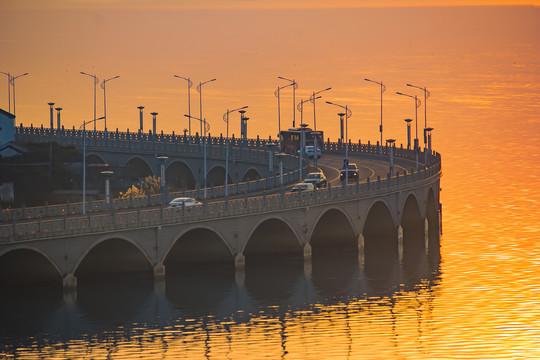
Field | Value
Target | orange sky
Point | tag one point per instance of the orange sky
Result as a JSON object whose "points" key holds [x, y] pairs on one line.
{"points": [[254, 4]]}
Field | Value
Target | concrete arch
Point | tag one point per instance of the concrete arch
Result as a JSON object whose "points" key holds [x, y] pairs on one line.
{"points": [[135, 168], [180, 175], [251, 174], [119, 255], [272, 236], [35, 265], [379, 228], [216, 176], [333, 229], [198, 244]]}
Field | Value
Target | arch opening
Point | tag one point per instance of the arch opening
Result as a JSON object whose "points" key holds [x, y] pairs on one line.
{"points": [[272, 238], [216, 177], [198, 249], [380, 241], [26, 266], [134, 170], [179, 176], [333, 232], [112, 259], [251, 175]]}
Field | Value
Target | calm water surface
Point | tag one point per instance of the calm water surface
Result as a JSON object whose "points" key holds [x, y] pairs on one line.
{"points": [[477, 297]]}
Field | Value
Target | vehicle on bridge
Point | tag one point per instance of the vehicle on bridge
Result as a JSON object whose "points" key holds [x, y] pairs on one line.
{"points": [[350, 171], [317, 179], [302, 187], [290, 140], [309, 151], [184, 202]]}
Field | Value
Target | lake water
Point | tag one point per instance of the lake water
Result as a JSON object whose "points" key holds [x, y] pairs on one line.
{"points": [[478, 297]]}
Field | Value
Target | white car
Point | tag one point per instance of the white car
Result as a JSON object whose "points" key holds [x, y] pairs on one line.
{"points": [[309, 151], [184, 202], [302, 187]]}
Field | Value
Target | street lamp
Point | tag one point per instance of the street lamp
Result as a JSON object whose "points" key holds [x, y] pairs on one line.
{"points": [[199, 89], [206, 129], [302, 146], [390, 145], [312, 99], [13, 85], [107, 174], [276, 94], [280, 157], [295, 86], [315, 137], [408, 121], [96, 81], [189, 85], [426, 96], [416, 106], [84, 158], [300, 107], [51, 105], [103, 84], [428, 131], [226, 119], [347, 114], [383, 89], [9, 89]]}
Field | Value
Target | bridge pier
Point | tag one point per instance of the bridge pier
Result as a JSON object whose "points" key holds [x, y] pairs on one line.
{"points": [[400, 243], [426, 235], [307, 251], [69, 281], [239, 261], [159, 271], [361, 242]]}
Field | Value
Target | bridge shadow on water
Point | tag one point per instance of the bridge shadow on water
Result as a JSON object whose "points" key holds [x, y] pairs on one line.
{"points": [[200, 298]]}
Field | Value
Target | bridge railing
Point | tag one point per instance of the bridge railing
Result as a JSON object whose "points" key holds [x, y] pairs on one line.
{"points": [[141, 217]]}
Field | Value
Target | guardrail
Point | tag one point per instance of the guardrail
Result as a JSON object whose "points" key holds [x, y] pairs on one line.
{"points": [[138, 218]]}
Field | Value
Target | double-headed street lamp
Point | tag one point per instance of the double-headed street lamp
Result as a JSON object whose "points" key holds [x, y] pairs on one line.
{"points": [[189, 85], [276, 94], [13, 78], [83, 126], [103, 85], [206, 129], [9, 89], [226, 119], [426, 96], [295, 86], [417, 104], [312, 99], [347, 114], [199, 89], [383, 89], [96, 81]]}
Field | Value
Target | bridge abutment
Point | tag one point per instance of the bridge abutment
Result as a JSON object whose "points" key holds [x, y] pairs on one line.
{"points": [[69, 281], [239, 261], [400, 243], [361, 244], [159, 271], [307, 251]]}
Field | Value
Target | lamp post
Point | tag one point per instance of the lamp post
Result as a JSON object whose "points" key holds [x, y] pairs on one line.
{"points": [[189, 85], [206, 129], [426, 96], [295, 86], [9, 89], [96, 81], [390, 145], [383, 89], [302, 146], [51, 111], [162, 160], [428, 131], [226, 119], [315, 137], [280, 157], [58, 109], [347, 114], [13, 78], [199, 89], [300, 107], [416, 106], [270, 147], [107, 174], [276, 94], [141, 128], [312, 99], [408, 121], [103, 85], [84, 158]]}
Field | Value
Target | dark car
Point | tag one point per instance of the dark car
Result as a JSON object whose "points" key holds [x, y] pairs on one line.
{"points": [[318, 179], [350, 171]]}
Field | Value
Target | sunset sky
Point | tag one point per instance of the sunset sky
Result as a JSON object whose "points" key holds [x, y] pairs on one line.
{"points": [[254, 4]]}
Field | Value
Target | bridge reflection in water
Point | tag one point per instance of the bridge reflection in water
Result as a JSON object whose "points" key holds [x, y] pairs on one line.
{"points": [[197, 305]]}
